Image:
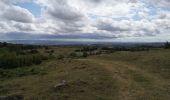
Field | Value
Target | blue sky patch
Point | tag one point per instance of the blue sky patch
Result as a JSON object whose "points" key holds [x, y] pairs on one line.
{"points": [[32, 7]]}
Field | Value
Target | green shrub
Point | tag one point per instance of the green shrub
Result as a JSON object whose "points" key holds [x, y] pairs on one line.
{"points": [[73, 55], [11, 60]]}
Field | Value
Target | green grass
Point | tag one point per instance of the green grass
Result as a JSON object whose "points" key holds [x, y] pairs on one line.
{"points": [[121, 75]]}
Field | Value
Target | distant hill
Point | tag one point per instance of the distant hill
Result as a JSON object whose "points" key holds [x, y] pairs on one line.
{"points": [[80, 42]]}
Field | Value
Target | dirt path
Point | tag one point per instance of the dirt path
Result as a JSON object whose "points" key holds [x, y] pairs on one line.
{"points": [[132, 81]]}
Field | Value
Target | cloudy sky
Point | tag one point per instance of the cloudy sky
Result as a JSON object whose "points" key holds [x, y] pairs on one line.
{"points": [[117, 20]]}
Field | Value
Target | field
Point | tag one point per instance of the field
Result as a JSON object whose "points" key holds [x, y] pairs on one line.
{"points": [[120, 75]]}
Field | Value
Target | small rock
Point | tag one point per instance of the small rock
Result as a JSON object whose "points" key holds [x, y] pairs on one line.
{"points": [[60, 85]]}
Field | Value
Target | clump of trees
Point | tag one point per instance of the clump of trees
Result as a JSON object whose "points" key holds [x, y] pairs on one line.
{"points": [[167, 45], [11, 60], [88, 48], [15, 55]]}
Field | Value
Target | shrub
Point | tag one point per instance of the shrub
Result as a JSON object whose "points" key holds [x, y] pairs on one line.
{"points": [[33, 51], [73, 55], [167, 45], [60, 57], [85, 54]]}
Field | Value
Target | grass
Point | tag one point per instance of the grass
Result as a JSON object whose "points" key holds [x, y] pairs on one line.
{"points": [[123, 75], [42, 86]]}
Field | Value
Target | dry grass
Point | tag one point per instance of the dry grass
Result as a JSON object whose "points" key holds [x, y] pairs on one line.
{"points": [[118, 76]]}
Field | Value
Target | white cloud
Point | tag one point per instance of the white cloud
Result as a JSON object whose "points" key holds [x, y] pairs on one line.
{"points": [[109, 18]]}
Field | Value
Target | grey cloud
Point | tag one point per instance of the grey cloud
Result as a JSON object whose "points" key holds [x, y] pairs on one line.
{"points": [[164, 15], [3, 25], [132, 28], [61, 10], [18, 14], [30, 36], [65, 14], [24, 27], [8, 2], [113, 26], [95, 1], [112, 1], [109, 27], [68, 29], [163, 3]]}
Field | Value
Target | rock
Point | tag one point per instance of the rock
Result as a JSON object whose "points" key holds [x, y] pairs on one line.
{"points": [[61, 85], [13, 97]]}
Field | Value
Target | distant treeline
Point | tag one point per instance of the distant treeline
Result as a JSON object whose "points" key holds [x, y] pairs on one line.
{"points": [[15, 55], [111, 49], [96, 50]]}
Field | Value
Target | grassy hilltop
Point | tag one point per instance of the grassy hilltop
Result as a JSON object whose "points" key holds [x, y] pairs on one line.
{"points": [[89, 73]]}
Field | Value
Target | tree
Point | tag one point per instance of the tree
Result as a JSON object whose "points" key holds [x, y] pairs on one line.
{"points": [[85, 54], [167, 45]]}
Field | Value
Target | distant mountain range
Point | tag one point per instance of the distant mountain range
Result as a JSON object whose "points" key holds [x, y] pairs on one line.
{"points": [[80, 42], [69, 39]]}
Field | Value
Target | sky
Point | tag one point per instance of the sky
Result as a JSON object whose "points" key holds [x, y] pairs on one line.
{"points": [[115, 20]]}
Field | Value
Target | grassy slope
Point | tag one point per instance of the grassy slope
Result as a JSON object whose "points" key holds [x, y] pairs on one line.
{"points": [[118, 76]]}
